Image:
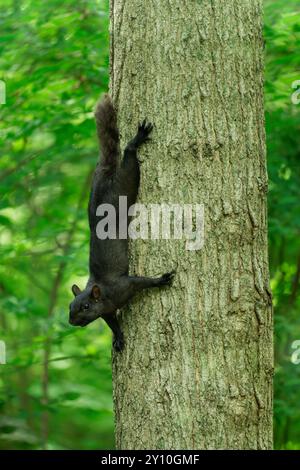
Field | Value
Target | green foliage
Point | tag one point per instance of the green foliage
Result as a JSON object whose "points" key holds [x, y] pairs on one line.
{"points": [[282, 33], [54, 60]]}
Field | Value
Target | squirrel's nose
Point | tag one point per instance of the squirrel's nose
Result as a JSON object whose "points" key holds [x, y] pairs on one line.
{"points": [[72, 319]]}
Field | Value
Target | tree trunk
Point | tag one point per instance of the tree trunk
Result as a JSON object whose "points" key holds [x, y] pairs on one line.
{"points": [[197, 369]]}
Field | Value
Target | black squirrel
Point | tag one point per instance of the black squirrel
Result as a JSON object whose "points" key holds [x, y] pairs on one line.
{"points": [[109, 286]]}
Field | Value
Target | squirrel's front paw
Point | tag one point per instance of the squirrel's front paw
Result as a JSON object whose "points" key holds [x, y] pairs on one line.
{"points": [[167, 279], [118, 343], [144, 130]]}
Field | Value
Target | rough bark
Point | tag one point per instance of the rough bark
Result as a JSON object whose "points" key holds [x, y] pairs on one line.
{"points": [[197, 369]]}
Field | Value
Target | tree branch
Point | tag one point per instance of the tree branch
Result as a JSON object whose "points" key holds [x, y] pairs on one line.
{"points": [[19, 165], [53, 299]]}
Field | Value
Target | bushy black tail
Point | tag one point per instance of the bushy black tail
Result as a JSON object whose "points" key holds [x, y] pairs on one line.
{"points": [[108, 134]]}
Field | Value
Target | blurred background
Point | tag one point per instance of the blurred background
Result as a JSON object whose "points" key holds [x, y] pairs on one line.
{"points": [[55, 390]]}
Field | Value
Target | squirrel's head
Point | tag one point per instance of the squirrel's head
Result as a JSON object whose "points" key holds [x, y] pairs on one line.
{"points": [[87, 305]]}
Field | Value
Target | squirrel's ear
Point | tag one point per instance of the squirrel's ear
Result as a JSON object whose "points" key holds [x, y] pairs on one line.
{"points": [[96, 293], [75, 290]]}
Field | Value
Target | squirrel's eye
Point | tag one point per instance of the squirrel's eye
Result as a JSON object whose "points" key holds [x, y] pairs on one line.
{"points": [[86, 307]]}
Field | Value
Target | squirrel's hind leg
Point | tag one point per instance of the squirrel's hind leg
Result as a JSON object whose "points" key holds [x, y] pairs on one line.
{"points": [[130, 166]]}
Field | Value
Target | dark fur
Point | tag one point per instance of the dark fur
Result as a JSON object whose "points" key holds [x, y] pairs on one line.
{"points": [[109, 286]]}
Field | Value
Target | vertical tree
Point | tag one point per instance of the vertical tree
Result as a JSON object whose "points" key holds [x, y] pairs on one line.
{"points": [[197, 369]]}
